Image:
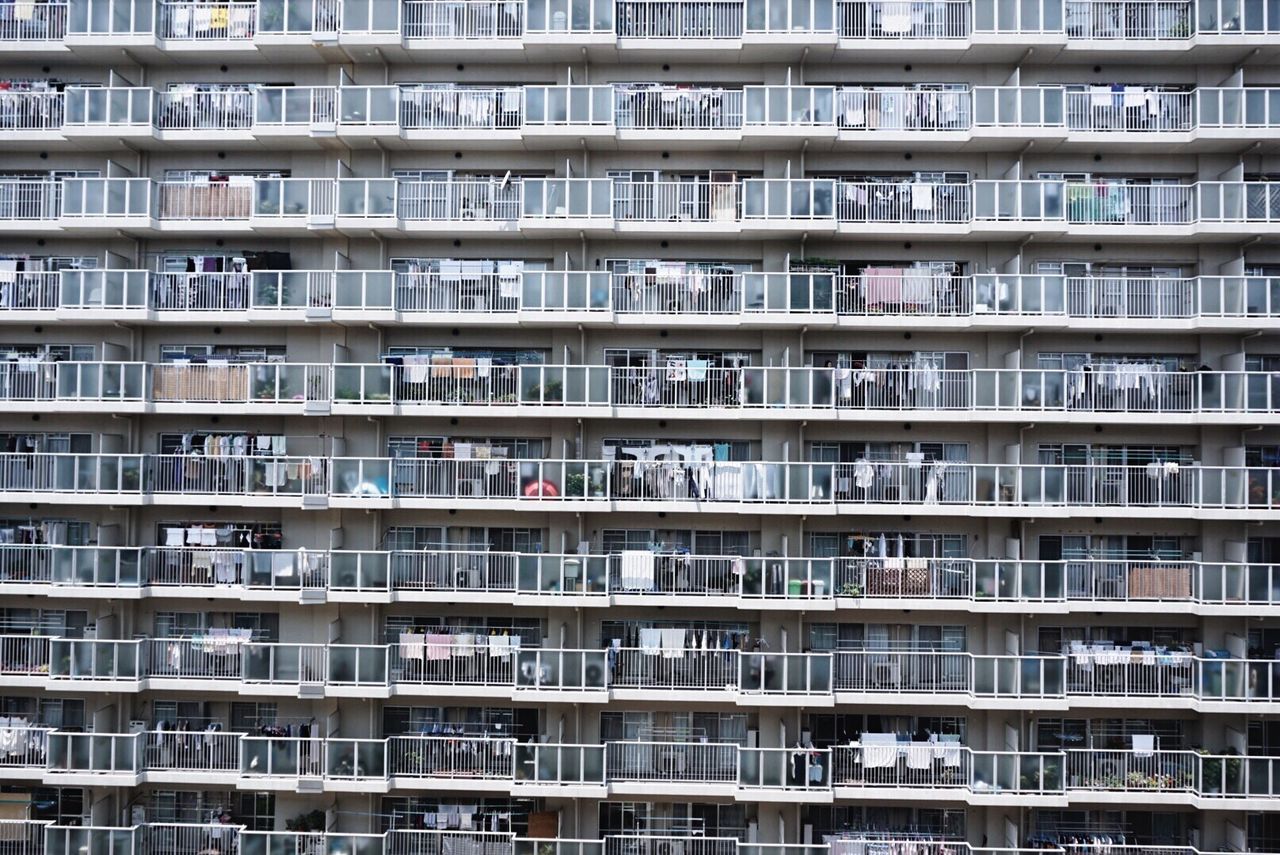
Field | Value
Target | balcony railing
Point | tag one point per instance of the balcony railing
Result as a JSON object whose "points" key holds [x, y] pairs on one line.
{"points": [[32, 111], [679, 19], [753, 202], [674, 109], [908, 293], [364, 110], [206, 20], [985, 582], [220, 663], [909, 19], [1085, 487], [218, 23], [29, 837], [922, 766], [40, 22]]}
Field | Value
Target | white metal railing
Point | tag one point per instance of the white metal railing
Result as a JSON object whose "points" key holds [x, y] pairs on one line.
{"points": [[902, 202], [1130, 109], [312, 201], [423, 107], [672, 108], [31, 291], [904, 19], [1093, 486], [191, 751], [929, 578], [440, 108], [1153, 204], [225, 110], [1130, 19], [31, 111], [462, 19], [1132, 771], [901, 109], [39, 22], [206, 20], [658, 201], [30, 199], [1103, 388], [443, 661], [461, 292], [673, 762], [485, 199], [679, 19]]}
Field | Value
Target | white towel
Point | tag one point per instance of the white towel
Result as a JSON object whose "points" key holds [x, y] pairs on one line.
{"points": [[879, 750], [1144, 744], [672, 643], [650, 641], [637, 570], [922, 197], [919, 755]]}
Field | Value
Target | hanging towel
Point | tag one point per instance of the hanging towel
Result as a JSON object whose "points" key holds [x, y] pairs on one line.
{"points": [[650, 641], [919, 755], [438, 645], [672, 643], [922, 197], [411, 645], [879, 750], [1144, 744], [637, 570]]}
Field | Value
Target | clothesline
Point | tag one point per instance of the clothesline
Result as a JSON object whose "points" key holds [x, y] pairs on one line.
{"points": [[436, 646]]}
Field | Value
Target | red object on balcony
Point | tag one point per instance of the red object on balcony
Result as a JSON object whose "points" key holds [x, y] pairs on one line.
{"points": [[541, 488]]}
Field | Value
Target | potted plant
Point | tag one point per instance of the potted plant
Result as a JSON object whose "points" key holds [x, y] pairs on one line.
{"points": [[1210, 773], [552, 391], [575, 485], [306, 822]]}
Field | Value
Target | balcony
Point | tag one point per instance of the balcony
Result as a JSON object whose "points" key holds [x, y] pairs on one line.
{"points": [[1180, 491], [751, 115], [1080, 680], [571, 391], [547, 206], [179, 839], [205, 21], [470, 19], [901, 769], [185, 25], [596, 580], [881, 298], [264, 111]]}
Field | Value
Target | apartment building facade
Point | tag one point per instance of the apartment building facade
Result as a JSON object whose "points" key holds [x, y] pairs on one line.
{"points": [[640, 427]]}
